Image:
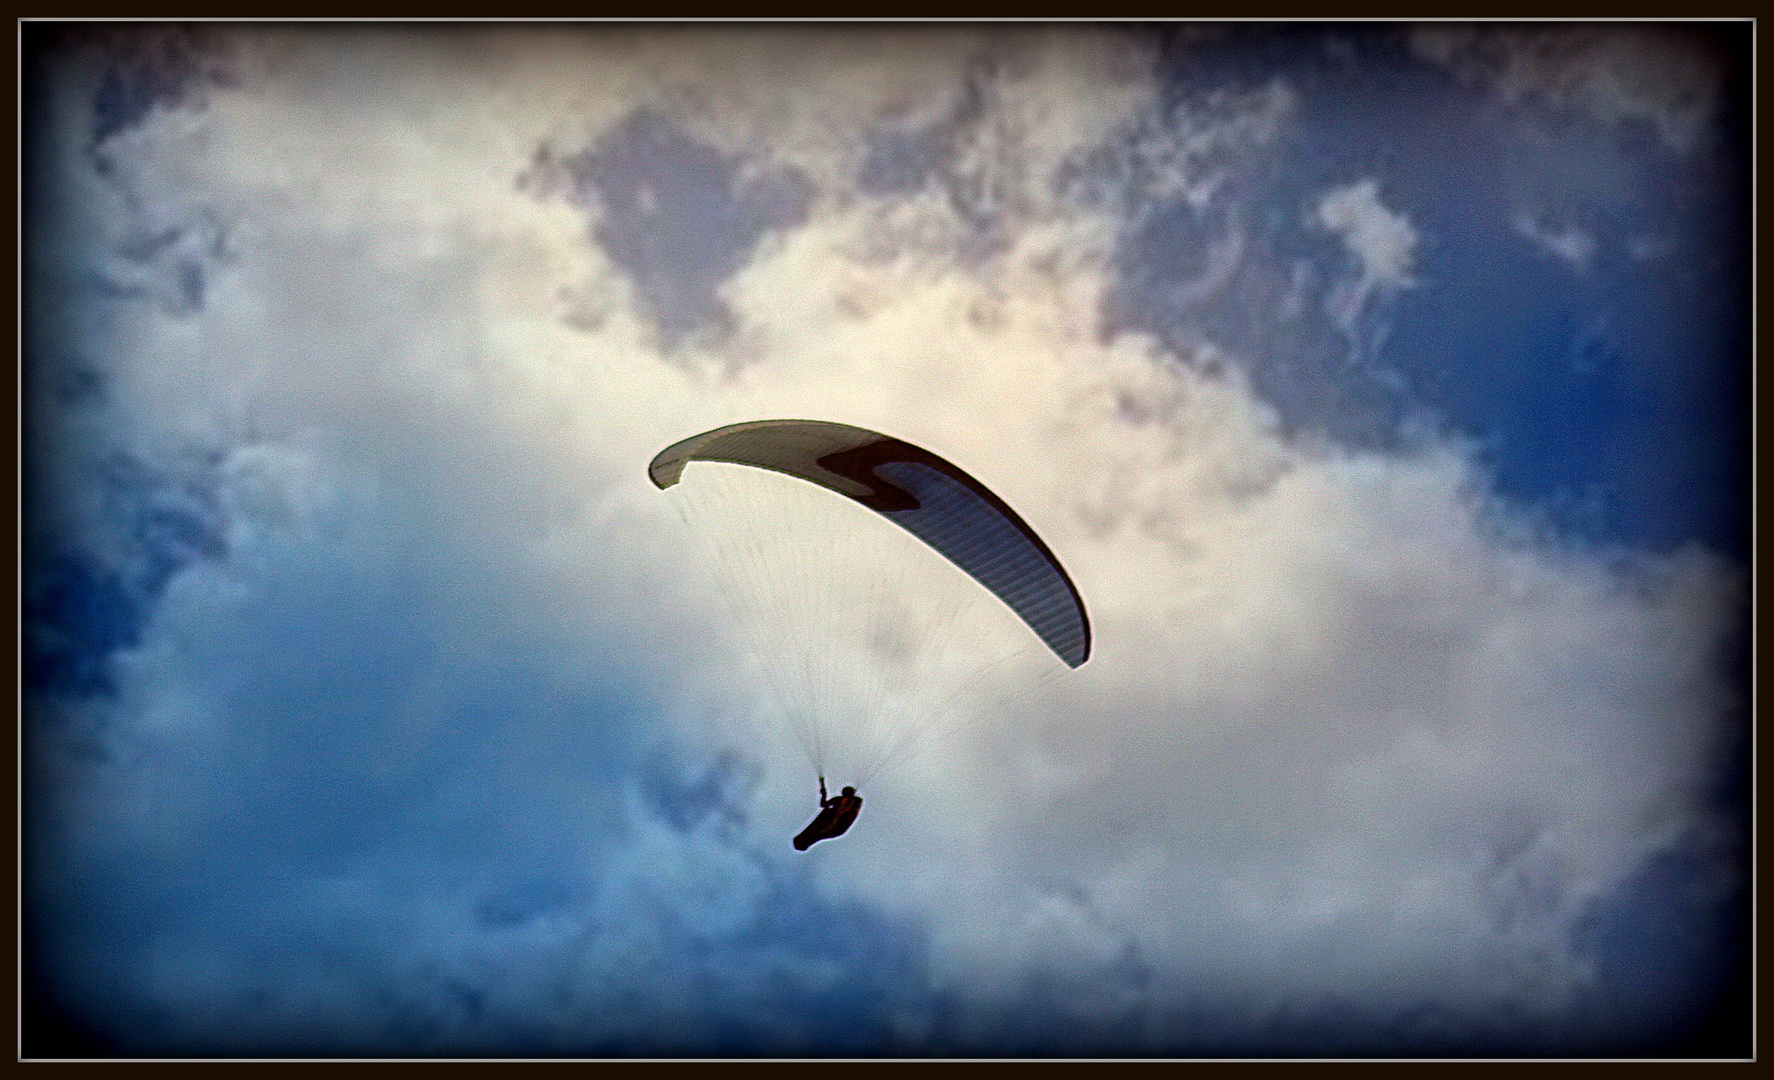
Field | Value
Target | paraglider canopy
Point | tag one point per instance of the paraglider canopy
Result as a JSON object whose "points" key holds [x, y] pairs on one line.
{"points": [[928, 496]]}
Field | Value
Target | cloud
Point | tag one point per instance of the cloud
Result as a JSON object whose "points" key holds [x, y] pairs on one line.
{"points": [[1355, 741], [1381, 241], [1163, 154], [1668, 77], [1571, 245]]}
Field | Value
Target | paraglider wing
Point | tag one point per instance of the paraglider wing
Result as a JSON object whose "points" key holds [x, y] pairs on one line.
{"points": [[929, 497]]}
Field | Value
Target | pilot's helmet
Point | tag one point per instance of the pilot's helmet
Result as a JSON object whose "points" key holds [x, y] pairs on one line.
{"points": [[849, 791]]}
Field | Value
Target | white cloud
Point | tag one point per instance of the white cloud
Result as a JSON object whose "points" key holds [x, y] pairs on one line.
{"points": [[1571, 244], [1340, 737], [1381, 240]]}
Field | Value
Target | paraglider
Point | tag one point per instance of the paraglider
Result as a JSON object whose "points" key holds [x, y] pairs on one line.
{"points": [[854, 623], [835, 817]]}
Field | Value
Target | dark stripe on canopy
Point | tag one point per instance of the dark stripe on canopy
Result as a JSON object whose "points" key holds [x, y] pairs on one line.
{"points": [[928, 496]]}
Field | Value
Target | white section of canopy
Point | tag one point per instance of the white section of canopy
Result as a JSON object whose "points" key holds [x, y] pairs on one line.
{"points": [[868, 641], [787, 446]]}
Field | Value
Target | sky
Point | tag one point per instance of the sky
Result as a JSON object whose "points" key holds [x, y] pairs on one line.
{"points": [[1383, 388]]}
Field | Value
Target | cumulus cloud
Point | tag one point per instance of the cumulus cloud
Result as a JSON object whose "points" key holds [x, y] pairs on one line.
{"points": [[1353, 739]]}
